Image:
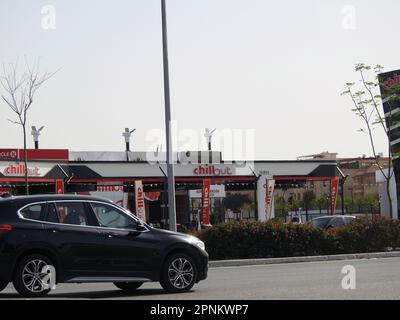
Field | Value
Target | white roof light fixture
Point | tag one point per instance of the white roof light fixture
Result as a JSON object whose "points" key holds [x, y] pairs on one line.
{"points": [[36, 133], [127, 135]]}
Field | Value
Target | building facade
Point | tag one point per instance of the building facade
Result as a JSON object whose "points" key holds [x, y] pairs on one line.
{"points": [[238, 190]]}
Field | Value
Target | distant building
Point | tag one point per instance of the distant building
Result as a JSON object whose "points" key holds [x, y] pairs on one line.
{"points": [[361, 181], [326, 155]]}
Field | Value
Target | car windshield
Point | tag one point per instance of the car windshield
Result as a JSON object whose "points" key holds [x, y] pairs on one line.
{"points": [[320, 222]]}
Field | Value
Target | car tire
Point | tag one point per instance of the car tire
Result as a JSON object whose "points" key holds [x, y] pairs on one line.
{"points": [[28, 278], [128, 286], [3, 285], [179, 273]]}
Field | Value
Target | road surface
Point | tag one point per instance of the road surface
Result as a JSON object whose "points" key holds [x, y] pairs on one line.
{"points": [[375, 279]]}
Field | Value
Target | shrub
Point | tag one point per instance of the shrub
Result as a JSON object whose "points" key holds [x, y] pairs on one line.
{"points": [[255, 239], [368, 235]]}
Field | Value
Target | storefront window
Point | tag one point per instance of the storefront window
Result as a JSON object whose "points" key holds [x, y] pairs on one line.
{"points": [[239, 205]]}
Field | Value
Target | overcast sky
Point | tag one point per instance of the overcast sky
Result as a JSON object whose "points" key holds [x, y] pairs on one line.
{"points": [[275, 67]]}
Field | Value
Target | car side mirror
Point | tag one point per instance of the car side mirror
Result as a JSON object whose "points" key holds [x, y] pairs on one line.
{"points": [[140, 227]]}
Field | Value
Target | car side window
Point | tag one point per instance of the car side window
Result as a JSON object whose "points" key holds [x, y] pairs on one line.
{"points": [[110, 217], [67, 213], [350, 220], [335, 222], [34, 212]]}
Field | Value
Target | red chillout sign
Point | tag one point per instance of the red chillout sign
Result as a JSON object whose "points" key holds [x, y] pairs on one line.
{"points": [[206, 201], [19, 170], [392, 82], [212, 171], [140, 198], [334, 190]]}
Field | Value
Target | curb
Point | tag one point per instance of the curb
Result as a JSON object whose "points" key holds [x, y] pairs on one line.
{"points": [[336, 257]]}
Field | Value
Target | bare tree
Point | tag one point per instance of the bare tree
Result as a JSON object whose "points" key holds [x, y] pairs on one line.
{"points": [[367, 104], [19, 92]]}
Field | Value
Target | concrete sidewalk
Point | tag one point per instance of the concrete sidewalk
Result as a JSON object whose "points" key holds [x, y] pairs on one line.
{"points": [[252, 262]]}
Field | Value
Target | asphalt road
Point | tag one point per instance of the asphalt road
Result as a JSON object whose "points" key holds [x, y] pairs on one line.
{"points": [[375, 279]]}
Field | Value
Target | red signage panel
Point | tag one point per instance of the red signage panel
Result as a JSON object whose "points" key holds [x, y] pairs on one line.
{"points": [[9, 154], [334, 191], [59, 187], [206, 201], [34, 154]]}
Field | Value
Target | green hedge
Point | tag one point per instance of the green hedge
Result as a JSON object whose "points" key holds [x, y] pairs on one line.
{"points": [[254, 239]]}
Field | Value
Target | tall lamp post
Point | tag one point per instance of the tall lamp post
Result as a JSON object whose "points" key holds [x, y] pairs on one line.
{"points": [[36, 133], [343, 178], [208, 134], [342, 181], [170, 165]]}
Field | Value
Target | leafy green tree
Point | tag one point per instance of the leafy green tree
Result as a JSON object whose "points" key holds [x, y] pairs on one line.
{"points": [[322, 203], [367, 204], [281, 207], [366, 105]]}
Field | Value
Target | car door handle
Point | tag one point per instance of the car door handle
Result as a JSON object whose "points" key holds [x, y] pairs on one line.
{"points": [[111, 235], [114, 235]]}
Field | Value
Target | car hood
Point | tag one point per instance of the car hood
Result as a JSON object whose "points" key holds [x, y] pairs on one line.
{"points": [[168, 233]]}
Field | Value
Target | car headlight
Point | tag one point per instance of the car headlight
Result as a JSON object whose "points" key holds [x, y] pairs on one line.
{"points": [[201, 245], [198, 243]]}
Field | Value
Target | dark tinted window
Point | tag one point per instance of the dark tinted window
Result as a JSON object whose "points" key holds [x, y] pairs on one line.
{"points": [[336, 222], [350, 220], [321, 222], [110, 217], [52, 215], [33, 212], [68, 213]]}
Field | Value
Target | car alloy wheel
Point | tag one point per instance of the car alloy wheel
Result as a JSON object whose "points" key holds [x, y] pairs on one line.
{"points": [[32, 277], [179, 274]]}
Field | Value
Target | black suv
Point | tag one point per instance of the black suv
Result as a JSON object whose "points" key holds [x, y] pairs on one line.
{"points": [[88, 239]]}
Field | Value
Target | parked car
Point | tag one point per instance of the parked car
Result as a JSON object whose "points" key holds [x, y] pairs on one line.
{"points": [[328, 222], [90, 239]]}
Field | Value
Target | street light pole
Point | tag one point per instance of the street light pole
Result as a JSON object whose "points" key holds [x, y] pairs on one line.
{"points": [[170, 165], [343, 180]]}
